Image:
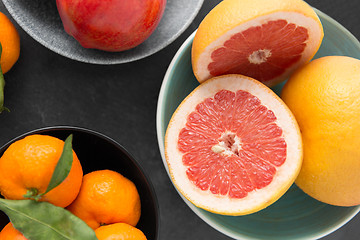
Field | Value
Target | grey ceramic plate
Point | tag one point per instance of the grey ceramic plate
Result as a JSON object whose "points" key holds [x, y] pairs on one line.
{"points": [[40, 19]]}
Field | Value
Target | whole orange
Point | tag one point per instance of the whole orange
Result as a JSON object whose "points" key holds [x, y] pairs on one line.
{"points": [[10, 233], [10, 42], [28, 165], [119, 231], [107, 197]]}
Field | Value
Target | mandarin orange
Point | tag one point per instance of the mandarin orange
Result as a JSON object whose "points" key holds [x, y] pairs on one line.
{"points": [[10, 42], [119, 231], [10, 233], [107, 197], [27, 166]]}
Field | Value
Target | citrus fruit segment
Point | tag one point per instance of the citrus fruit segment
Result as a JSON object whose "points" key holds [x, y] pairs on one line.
{"points": [[324, 96], [265, 40], [232, 146]]}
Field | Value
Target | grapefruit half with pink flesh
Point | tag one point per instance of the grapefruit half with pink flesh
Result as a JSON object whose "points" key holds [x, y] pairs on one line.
{"points": [[263, 39], [232, 146]]}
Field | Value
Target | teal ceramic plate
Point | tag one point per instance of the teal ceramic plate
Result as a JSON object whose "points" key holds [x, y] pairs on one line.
{"points": [[295, 215]]}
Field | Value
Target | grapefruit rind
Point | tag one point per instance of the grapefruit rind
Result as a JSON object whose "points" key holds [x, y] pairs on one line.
{"points": [[257, 199], [230, 17], [328, 112]]}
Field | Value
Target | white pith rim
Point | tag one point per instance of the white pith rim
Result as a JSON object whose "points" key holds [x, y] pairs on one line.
{"points": [[255, 200]]}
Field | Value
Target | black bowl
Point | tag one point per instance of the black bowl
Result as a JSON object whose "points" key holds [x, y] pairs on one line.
{"points": [[97, 151]]}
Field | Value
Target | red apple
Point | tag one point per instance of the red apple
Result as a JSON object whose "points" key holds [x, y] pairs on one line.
{"points": [[110, 25]]}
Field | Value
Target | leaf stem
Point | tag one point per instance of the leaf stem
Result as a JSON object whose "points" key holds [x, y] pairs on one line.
{"points": [[33, 194]]}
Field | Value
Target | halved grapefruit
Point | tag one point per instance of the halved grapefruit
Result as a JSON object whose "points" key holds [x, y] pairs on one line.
{"points": [[263, 39], [232, 146]]}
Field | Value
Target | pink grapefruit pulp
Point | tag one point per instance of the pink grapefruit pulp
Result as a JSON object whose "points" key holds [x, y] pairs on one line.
{"points": [[265, 40], [262, 58], [232, 146]]}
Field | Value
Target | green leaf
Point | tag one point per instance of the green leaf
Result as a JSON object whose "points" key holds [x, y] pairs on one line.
{"points": [[63, 166], [44, 221], [2, 86]]}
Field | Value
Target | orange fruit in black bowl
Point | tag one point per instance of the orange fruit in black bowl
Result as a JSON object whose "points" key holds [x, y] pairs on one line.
{"points": [[99, 152]]}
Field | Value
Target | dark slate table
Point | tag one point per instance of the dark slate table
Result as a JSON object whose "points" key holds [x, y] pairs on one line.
{"points": [[46, 89]]}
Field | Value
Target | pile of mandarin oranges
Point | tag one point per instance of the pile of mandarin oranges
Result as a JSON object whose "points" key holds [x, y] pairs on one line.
{"points": [[105, 200]]}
